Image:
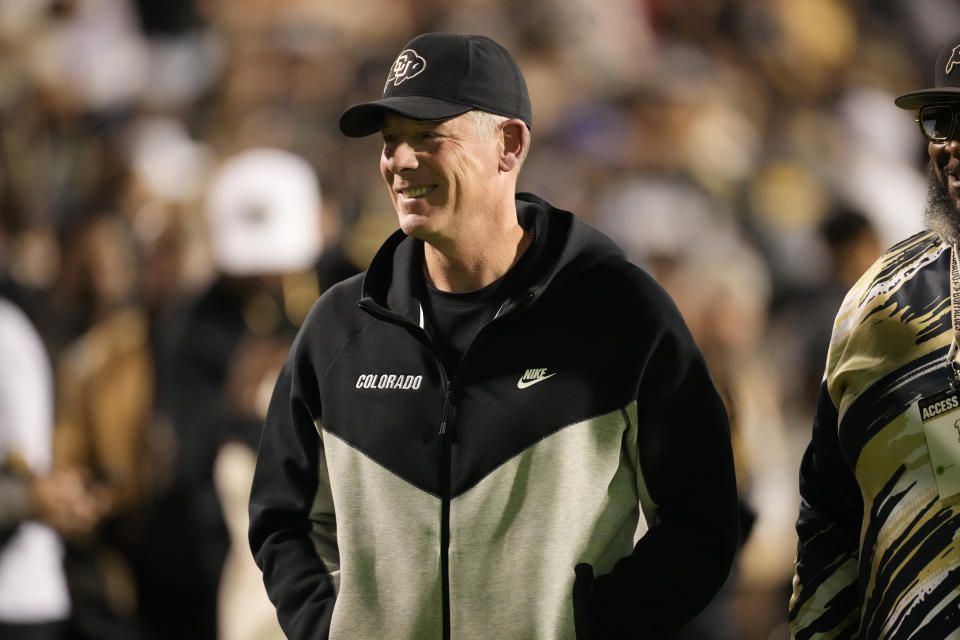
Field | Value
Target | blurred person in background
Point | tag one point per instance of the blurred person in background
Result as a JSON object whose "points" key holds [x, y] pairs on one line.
{"points": [[465, 440], [262, 209], [123, 279], [853, 244], [104, 407], [35, 503], [878, 553], [726, 290]]}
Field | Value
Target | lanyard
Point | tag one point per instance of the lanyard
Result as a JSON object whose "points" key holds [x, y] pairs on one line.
{"points": [[953, 356]]}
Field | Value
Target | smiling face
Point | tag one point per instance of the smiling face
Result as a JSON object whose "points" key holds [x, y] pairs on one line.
{"points": [[442, 176], [945, 163], [943, 204]]}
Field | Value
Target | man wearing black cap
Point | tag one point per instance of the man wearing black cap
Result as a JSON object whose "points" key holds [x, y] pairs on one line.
{"points": [[879, 526], [468, 440]]}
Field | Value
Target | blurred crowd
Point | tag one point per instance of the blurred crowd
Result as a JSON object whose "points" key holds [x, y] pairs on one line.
{"points": [[175, 193]]}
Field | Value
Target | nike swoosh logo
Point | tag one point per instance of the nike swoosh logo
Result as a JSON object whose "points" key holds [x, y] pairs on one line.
{"points": [[523, 384]]}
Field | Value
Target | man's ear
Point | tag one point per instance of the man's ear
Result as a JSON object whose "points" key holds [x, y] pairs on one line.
{"points": [[516, 141]]}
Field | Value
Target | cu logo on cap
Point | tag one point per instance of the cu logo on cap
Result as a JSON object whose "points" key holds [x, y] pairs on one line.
{"points": [[408, 65], [954, 59]]}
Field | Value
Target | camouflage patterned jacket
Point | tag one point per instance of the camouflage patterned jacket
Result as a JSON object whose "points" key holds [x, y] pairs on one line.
{"points": [[879, 546]]}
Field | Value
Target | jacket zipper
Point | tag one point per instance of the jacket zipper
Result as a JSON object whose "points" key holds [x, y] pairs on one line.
{"points": [[446, 455], [445, 435]]}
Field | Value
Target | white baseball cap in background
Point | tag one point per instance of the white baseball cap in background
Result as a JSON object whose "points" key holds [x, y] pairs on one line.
{"points": [[263, 212]]}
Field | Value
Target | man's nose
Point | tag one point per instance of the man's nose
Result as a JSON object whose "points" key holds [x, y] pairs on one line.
{"points": [[952, 145], [402, 157]]}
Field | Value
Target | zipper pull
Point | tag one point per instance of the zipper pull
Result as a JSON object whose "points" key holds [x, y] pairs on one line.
{"points": [[447, 405]]}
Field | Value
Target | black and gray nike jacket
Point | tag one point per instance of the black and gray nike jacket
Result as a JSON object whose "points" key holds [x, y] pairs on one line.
{"points": [[574, 481]]}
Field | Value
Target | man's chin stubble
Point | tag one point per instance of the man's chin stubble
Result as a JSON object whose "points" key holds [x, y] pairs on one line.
{"points": [[941, 214]]}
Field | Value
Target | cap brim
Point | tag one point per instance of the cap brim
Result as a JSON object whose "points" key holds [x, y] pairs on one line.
{"points": [[364, 119], [916, 99]]}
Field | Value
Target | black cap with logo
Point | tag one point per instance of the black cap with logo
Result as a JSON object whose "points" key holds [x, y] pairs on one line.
{"points": [[946, 84], [441, 75]]}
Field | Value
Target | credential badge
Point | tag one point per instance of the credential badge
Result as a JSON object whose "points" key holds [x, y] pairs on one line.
{"points": [[408, 64]]}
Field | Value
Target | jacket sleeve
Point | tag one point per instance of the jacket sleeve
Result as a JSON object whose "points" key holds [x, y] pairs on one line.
{"points": [[824, 601], [292, 523], [686, 467]]}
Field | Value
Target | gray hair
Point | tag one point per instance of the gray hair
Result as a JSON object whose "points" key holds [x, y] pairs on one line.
{"points": [[486, 124]]}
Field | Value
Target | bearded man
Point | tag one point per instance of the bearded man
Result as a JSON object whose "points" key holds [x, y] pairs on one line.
{"points": [[879, 526]]}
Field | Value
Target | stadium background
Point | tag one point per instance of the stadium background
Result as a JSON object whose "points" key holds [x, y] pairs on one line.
{"points": [[746, 152]]}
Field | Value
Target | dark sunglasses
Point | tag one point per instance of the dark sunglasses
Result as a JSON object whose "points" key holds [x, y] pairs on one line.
{"points": [[938, 121]]}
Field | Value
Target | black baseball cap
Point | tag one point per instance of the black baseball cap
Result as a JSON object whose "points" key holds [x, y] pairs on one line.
{"points": [[946, 83], [441, 75]]}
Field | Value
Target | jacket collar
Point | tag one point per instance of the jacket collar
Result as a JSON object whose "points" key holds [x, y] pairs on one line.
{"points": [[565, 245]]}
